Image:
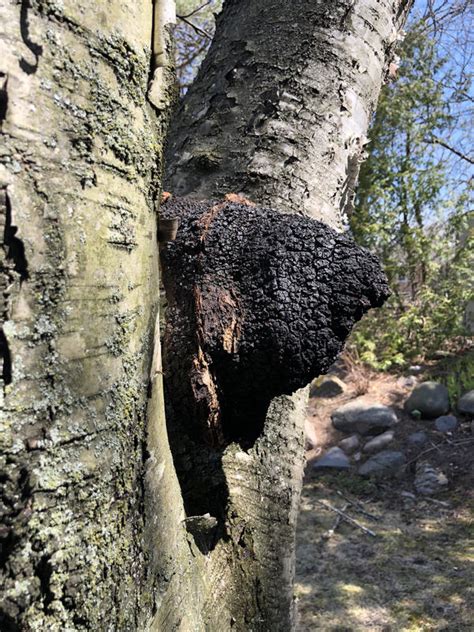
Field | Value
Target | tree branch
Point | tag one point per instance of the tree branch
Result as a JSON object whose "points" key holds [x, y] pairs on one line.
{"points": [[195, 10], [442, 143], [197, 28]]}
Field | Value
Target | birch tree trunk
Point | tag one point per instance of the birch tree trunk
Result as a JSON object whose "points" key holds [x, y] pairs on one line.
{"points": [[279, 114], [281, 105], [80, 170], [95, 532]]}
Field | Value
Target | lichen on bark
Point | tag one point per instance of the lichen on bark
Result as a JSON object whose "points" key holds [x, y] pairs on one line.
{"points": [[79, 173]]}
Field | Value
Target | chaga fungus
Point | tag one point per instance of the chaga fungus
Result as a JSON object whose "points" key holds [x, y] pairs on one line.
{"points": [[259, 303]]}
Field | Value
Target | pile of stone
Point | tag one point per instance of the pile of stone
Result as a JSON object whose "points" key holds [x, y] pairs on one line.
{"points": [[372, 427]]}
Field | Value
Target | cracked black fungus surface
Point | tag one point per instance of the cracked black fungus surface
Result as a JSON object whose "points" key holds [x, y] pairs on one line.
{"points": [[287, 290]]}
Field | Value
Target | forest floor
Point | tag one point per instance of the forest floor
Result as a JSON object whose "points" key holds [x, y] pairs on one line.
{"points": [[416, 572]]}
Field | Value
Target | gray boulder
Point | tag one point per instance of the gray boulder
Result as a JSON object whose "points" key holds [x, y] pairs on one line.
{"points": [[430, 398], [379, 442], [466, 404], [364, 418], [350, 444], [384, 463], [334, 458], [429, 480], [327, 386], [446, 423], [417, 438]]}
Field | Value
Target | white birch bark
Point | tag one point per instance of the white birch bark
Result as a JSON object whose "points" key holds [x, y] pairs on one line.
{"points": [[80, 170]]}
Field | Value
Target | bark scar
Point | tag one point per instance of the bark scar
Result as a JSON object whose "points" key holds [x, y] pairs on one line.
{"points": [[3, 97], [260, 303], [13, 265]]}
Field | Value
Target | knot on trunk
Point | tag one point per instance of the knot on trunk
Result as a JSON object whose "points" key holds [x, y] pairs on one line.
{"points": [[259, 303]]}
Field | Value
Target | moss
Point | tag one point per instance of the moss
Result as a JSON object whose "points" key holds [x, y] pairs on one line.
{"points": [[130, 66], [126, 323]]}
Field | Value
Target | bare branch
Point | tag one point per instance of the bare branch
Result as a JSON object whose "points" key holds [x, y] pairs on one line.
{"points": [[346, 517], [442, 143], [197, 28], [195, 10]]}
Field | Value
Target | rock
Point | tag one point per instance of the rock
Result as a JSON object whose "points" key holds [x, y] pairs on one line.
{"points": [[417, 438], [334, 458], [466, 404], [327, 386], [408, 499], [308, 444], [350, 444], [429, 480], [440, 355], [385, 462], [446, 423], [430, 398], [379, 442], [363, 417], [415, 369], [407, 382]]}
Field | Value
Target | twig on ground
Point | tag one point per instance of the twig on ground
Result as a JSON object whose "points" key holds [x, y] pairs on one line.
{"points": [[330, 532], [346, 517], [357, 506], [436, 447], [339, 518]]}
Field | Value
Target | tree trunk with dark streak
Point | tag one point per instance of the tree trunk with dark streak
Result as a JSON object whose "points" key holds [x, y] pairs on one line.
{"points": [[278, 114]]}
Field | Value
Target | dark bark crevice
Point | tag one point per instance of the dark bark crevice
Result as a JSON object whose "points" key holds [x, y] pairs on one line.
{"points": [[35, 48], [3, 97], [15, 249], [13, 265]]}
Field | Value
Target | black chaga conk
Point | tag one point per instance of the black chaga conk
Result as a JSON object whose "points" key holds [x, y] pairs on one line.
{"points": [[259, 303]]}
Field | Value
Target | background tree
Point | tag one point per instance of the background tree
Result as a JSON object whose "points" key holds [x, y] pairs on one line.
{"points": [[95, 532], [412, 206]]}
